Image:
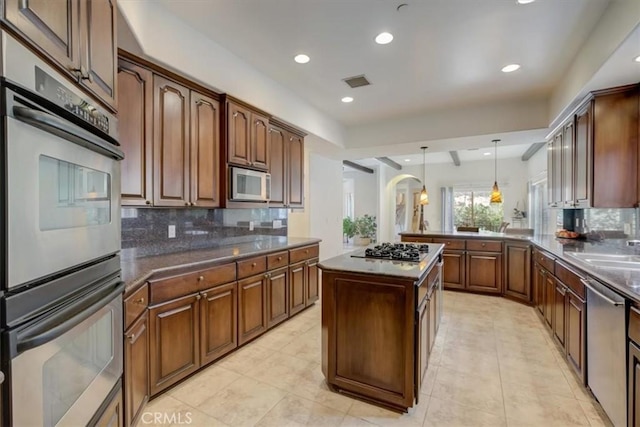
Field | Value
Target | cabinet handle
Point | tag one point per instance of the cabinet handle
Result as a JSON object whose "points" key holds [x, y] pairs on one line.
{"points": [[186, 203], [279, 258], [147, 202], [290, 138], [193, 204], [132, 338], [200, 279], [87, 76], [267, 275], [483, 245], [139, 301], [235, 114], [80, 72], [253, 264]]}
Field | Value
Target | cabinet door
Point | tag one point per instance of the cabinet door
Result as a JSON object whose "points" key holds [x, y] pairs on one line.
{"points": [[252, 308], [634, 385], [575, 338], [555, 168], [171, 143], [238, 135], [205, 151], [313, 290], [278, 144], [484, 272], [259, 141], [174, 328], [277, 297], [112, 415], [54, 26], [567, 165], [549, 298], [99, 38], [518, 271], [135, 92], [297, 287], [218, 322], [453, 270], [422, 349], [539, 287], [583, 157], [296, 170], [559, 312], [433, 314], [136, 369]]}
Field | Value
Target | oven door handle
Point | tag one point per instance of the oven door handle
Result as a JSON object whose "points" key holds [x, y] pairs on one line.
{"points": [[45, 333], [66, 130]]}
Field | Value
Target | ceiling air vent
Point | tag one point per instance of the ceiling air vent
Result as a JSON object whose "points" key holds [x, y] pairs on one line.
{"points": [[357, 81]]}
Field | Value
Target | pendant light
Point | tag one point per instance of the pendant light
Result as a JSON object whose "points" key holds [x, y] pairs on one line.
{"points": [[424, 197], [496, 195]]}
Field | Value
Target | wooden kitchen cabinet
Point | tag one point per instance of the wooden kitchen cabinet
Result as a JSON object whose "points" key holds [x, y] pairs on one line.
{"points": [[218, 322], [78, 36], [113, 413], [135, 94], [554, 170], [286, 166], [559, 312], [539, 280], [136, 369], [634, 385], [583, 156], [313, 288], [549, 298], [454, 269], [277, 296], [247, 137], [517, 271], [174, 328], [422, 348], [171, 143], [568, 161], [576, 321], [484, 272], [297, 288], [205, 151], [252, 307]]}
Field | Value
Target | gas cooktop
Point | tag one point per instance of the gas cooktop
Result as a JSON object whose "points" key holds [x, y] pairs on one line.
{"points": [[396, 251]]}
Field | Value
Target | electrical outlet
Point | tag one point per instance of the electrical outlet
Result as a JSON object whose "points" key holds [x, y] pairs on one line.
{"points": [[277, 223], [250, 225], [627, 228], [172, 231]]}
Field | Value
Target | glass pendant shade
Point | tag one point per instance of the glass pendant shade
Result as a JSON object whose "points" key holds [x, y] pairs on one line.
{"points": [[424, 197], [496, 195]]}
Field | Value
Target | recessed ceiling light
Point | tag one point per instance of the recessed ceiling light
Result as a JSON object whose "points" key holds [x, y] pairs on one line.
{"points": [[525, 1], [301, 58], [511, 67], [487, 154], [347, 99], [384, 38], [407, 160], [637, 59]]}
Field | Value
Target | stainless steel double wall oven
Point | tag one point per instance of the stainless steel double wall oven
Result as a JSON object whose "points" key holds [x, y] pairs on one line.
{"points": [[60, 241]]}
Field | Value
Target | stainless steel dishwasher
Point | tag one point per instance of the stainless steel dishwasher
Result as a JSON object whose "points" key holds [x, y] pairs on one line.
{"points": [[606, 350]]}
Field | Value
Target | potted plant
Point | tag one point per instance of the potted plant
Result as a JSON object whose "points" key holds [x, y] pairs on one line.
{"points": [[348, 228], [365, 229]]}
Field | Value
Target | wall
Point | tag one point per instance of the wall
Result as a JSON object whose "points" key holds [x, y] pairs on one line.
{"points": [[365, 191]]}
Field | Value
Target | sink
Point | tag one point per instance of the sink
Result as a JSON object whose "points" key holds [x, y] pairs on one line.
{"points": [[625, 262]]}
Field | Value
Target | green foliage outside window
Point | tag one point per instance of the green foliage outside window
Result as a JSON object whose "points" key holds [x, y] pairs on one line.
{"points": [[483, 214]]}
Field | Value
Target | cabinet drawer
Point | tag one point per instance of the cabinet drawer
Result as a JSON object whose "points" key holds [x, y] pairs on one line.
{"points": [[418, 239], [484, 245], [277, 260], [135, 305], [301, 254], [634, 325], [457, 244], [174, 287], [252, 266], [545, 260], [570, 278]]}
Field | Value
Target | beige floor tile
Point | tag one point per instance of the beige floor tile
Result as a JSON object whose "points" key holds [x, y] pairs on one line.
{"points": [[311, 385], [595, 414], [350, 421], [200, 387], [276, 339], [429, 380], [296, 411], [249, 356], [383, 417], [526, 409], [279, 370], [469, 361], [480, 392], [167, 411], [307, 346], [533, 384], [243, 403], [445, 413]]}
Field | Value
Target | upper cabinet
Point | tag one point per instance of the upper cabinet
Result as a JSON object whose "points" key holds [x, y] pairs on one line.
{"points": [[593, 156], [78, 36], [247, 137], [286, 168]]}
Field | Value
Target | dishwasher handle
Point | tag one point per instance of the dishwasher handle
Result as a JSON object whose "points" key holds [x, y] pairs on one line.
{"points": [[588, 284]]}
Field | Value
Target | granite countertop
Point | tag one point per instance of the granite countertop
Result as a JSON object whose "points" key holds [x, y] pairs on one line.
{"points": [[624, 281], [383, 267], [136, 271]]}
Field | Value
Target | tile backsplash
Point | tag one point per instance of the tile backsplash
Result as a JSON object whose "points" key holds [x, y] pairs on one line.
{"points": [[151, 231], [609, 223]]}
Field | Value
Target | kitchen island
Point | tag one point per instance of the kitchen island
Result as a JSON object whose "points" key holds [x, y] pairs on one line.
{"points": [[379, 322]]}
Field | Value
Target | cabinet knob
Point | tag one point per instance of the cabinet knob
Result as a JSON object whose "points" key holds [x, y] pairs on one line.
{"points": [[279, 258], [253, 264], [139, 301], [198, 297], [87, 76], [235, 114], [204, 294], [483, 245], [80, 72], [267, 275], [147, 202], [186, 203], [306, 251], [290, 138], [200, 279], [193, 204], [132, 338]]}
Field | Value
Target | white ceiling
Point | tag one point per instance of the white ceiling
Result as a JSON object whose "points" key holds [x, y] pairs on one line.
{"points": [[445, 53]]}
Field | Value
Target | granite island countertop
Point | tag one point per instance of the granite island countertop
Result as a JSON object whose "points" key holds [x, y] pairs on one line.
{"points": [[136, 271], [623, 281], [383, 267]]}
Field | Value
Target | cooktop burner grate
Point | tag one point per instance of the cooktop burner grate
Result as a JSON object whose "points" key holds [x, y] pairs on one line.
{"points": [[396, 251]]}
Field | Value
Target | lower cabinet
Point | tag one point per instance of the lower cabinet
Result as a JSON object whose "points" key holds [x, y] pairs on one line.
{"points": [[112, 415], [559, 312], [218, 322], [313, 288], [136, 369], [304, 287], [575, 332], [517, 271], [484, 272], [433, 315], [277, 296], [252, 307], [539, 278], [454, 269], [549, 286], [634, 385], [174, 328], [423, 346]]}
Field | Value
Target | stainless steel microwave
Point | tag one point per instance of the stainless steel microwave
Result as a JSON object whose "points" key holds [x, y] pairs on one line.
{"points": [[250, 185]]}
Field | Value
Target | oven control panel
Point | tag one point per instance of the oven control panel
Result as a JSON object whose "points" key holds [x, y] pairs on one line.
{"points": [[54, 91]]}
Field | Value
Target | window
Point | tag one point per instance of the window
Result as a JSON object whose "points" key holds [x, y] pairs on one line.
{"points": [[465, 206]]}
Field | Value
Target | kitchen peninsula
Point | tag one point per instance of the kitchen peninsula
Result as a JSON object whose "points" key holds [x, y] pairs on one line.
{"points": [[379, 322]]}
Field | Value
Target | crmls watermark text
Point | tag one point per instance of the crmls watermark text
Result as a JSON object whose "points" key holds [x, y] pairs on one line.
{"points": [[166, 418]]}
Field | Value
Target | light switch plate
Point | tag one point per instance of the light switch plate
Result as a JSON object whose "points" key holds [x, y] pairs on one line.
{"points": [[172, 231], [250, 225]]}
